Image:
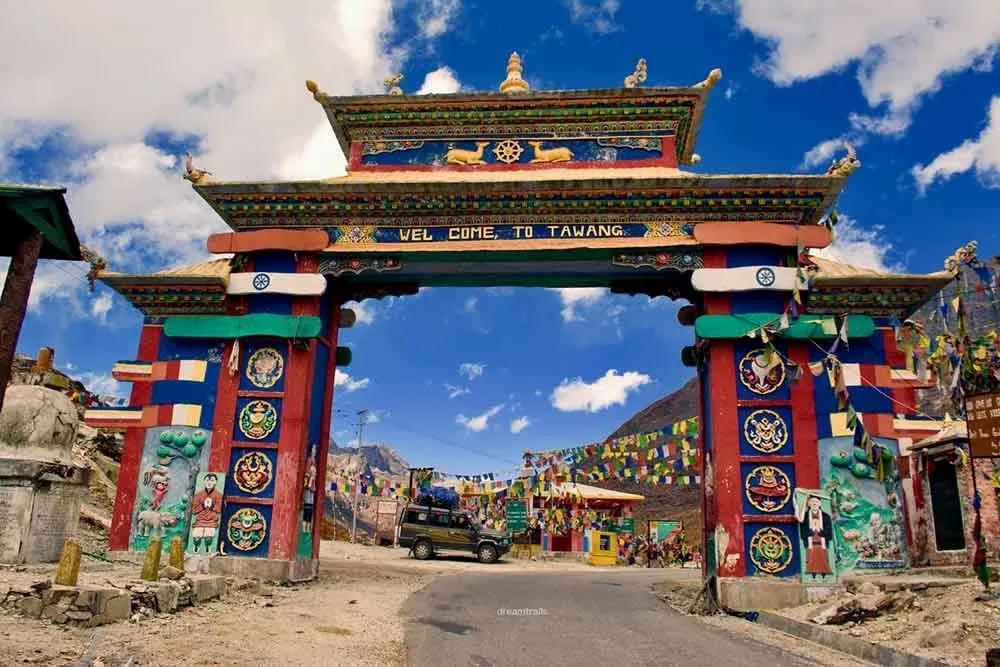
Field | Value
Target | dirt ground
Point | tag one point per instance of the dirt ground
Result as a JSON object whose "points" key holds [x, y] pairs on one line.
{"points": [[947, 624], [350, 616]]}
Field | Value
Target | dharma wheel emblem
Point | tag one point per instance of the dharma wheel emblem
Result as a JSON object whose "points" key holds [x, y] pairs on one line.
{"points": [[508, 151], [765, 277], [261, 281]]}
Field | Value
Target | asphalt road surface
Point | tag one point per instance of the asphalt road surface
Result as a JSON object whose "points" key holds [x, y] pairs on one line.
{"points": [[593, 618]]}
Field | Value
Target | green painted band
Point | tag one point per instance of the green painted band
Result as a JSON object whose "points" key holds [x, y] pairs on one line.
{"points": [[243, 326], [803, 327]]}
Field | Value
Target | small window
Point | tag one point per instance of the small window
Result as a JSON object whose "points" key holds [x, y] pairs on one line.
{"points": [[460, 521], [415, 516], [441, 519]]}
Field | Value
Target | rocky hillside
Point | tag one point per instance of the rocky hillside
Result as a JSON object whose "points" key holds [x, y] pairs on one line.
{"points": [[674, 407]]}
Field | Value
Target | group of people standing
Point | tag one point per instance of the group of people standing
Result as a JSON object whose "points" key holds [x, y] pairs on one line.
{"points": [[647, 551]]}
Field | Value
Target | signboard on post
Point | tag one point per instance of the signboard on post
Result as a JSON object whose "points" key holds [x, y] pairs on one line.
{"points": [[982, 418], [517, 516], [627, 526]]}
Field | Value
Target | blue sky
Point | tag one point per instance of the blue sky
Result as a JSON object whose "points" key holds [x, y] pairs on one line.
{"points": [[465, 380]]}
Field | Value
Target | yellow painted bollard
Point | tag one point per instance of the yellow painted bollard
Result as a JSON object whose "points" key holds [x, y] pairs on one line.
{"points": [[151, 564], [69, 563], [176, 559]]}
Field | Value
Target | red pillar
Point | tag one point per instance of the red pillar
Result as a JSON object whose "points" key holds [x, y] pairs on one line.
{"points": [[293, 440], [135, 439], [14, 303], [727, 494], [226, 394]]}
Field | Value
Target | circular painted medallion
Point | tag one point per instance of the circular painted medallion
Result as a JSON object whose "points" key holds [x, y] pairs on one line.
{"points": [[264, 367], [260, 281], [246, 529], [770, 550], [258, 419], [765, 431], [768, 488], [252, 472], [765, 276], [762, 371]]}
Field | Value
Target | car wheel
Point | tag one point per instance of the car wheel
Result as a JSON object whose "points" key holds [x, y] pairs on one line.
{"points": [[488, 553], [422, 550]]}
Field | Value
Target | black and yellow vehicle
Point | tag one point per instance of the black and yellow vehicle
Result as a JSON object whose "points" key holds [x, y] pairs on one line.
{"points": [[426, 531]]}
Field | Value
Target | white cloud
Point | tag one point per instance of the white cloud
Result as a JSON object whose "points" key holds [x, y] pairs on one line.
{"points": [[342, 379], [519, 424], [576, 298], [470, 304], [981, 154], [610, 389], [479, 423], [436, 16], [455, 391], [731, 89], [187, 74], [597, 15], [860, 247], [101, 383], [441, 81], [902, 49], [471, 370], [823, 153]]}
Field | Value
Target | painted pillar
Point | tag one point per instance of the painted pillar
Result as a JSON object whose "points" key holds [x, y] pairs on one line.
{"points": [[293, 439], [128, 473], [722, 491], [14, 303]]}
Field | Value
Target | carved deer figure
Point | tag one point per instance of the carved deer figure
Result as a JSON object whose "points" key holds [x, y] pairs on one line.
{"points": [[560, 154], [462, 156]]}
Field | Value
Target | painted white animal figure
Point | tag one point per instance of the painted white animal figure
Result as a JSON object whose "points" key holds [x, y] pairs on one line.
{"points": [[155, 522], [462, 156], [560, 154]]}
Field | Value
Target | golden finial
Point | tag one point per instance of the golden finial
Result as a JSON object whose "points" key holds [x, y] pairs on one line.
{"points": [[846, 165], [713, 78], [392, 84], [514, 83], [638, 76], [313, 88]]}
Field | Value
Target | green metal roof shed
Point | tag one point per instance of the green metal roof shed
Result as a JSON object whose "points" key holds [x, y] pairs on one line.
{"points": [[26, 207]]}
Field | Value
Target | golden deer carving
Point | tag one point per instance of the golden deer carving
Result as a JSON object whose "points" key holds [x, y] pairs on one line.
{"points": [[637, 77], [392, 84], [560, 154], [846, 165], [462, 156]]}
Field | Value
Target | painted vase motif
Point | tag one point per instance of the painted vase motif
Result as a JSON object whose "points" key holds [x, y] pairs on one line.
{"points": [[258, 420]]}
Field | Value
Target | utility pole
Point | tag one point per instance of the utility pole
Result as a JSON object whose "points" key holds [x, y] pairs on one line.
{"points": [[357, 477]]}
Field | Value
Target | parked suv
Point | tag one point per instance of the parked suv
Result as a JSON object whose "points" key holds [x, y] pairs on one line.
{"points": [[428, 530]]}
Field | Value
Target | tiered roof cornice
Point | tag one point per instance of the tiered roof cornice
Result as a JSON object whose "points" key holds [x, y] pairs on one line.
{"points": [[405, 198]]}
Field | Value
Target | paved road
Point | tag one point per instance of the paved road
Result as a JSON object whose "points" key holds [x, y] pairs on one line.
{"points": [[593, 618]]}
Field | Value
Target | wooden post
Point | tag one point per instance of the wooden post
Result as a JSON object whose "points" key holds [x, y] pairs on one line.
{"points": [[176, 559], [151, 564], [68, 570], [14, 303]]}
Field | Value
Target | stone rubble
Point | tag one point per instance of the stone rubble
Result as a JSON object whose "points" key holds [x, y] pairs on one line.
{"points": [[91, 606]]}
